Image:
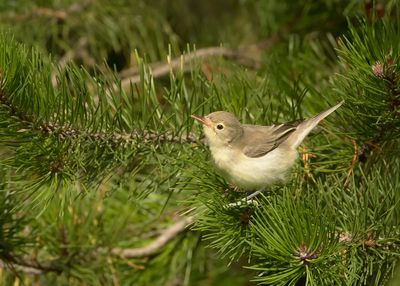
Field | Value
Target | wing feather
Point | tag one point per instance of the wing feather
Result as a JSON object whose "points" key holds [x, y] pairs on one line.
{"points": [[261, 140]]}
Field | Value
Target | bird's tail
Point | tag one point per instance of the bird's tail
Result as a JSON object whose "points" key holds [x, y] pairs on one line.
{"points": [[306, 126]]}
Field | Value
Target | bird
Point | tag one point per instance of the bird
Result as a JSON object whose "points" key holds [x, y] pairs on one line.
{"points": [[255, 156]]}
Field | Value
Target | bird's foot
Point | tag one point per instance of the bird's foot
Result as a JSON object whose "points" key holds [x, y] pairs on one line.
{"points": [[247, 200]]}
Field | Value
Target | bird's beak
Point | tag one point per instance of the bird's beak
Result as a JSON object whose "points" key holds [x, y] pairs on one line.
{"points": [[203, 120]]}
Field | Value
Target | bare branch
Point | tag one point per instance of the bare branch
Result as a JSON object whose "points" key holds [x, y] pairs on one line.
{"points": [[27, 265], [352, 165], [35, 268], [21, 268], [167, 235], [55, 13], [131, 76], [243, 55], [161, 68]]}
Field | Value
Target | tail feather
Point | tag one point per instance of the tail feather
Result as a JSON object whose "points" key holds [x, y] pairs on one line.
{"points": [[306, 126]]}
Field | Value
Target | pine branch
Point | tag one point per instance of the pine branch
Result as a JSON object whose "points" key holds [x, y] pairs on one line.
{"points": [[387, 74], [27, 265], [143, 136], [303, 254], [13, 110], [148, 250], [22, 268], [56, 13], [339, 229], [244, 55], [63, 132], [370, 84], [131, 76]]}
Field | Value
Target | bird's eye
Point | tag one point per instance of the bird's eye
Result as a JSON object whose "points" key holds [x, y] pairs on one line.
{"points": [[220, 126]]}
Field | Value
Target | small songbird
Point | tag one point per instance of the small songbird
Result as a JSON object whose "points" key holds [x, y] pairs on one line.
{"points": [[255, 156]]}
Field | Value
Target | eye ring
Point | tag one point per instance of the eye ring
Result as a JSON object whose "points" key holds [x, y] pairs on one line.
{"points": [[220, 126]]}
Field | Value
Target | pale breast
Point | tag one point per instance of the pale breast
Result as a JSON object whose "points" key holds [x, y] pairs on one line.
{"points": [[225, 158], [250, 173]]}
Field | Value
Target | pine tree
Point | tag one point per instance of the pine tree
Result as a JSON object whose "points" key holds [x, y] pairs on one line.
{"points": [[106, 180]]}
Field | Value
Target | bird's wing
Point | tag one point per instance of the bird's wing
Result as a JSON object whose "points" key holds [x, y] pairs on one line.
{"points": [[261, 140]]}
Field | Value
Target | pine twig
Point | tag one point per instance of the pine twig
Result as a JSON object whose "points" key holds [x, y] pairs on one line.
{"points": [[353, 163], [305, 157], [167, 235]]}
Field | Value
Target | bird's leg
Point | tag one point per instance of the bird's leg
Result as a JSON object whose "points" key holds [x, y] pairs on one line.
{"points": [[256, 193], [247, 200]]}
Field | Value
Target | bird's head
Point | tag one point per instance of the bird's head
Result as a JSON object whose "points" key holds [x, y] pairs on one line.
{"points": [[221, 128]]}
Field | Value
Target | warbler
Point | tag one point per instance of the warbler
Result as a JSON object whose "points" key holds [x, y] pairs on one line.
{"points": [[255, 156]]}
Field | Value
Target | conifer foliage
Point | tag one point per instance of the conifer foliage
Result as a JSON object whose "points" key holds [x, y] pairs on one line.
{"points": [[106, 180]]}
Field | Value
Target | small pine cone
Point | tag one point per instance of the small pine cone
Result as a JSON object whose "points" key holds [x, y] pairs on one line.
{"points": [[377, 70]]}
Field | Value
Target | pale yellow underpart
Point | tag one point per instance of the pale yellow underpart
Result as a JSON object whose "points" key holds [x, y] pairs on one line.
{"points": [[253, 173]]}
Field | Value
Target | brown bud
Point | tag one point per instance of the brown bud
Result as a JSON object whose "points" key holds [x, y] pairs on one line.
{"points": [[303, 254], [377, 70]]}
